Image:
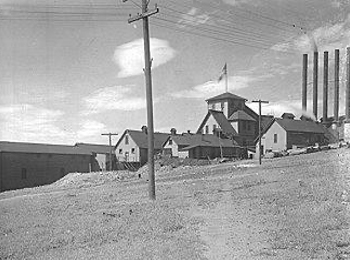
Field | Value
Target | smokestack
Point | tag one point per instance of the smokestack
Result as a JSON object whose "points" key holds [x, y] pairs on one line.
{"points": [[347, 86], [315, 79], [304, 84], [325, 86], [336, 86]]}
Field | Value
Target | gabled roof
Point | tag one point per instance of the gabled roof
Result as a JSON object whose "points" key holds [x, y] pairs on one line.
{"points": [[141, 138], [204, 140], [241, 115], [300, 126], [226, 95], [22, 147], [95, 148], [222, 121], [291, 125]]}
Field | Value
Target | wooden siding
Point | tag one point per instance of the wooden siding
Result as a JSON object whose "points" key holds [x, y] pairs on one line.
{"points": [[213, 152], [127, 149], [40, 169], [267, 140]]}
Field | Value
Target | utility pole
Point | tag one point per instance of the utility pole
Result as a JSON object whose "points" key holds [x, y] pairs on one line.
{"points": [[110, 150], [148, 77], [266, 102]]}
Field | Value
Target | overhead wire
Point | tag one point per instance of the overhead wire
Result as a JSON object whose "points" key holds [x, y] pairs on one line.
{"points": [[217, 25]]}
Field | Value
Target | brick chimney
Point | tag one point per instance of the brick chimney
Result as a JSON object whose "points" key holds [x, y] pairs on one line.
{"points": [[144, 129]]}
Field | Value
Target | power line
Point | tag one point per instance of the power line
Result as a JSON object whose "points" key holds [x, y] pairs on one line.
{"points": [[213, 37], [222, 27]]}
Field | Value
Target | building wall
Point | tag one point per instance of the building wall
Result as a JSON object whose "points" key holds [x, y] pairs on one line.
{"points": [[219, 106], [304, 139], [210, 123], [173, 147], [213, 152], [267, 140], [124, 152], [20, 170]]}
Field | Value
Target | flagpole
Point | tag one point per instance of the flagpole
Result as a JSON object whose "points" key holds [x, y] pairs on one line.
{"points": [[226, 79]]}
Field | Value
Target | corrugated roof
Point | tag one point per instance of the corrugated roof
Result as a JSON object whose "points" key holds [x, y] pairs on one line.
{"points": [[141, 138], [241, 115], [300, 126], [226, 95], [95, 148], [19, 147], [224, 124]]}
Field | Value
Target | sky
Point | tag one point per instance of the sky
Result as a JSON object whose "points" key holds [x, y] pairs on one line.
{"points": [[72, 70]]}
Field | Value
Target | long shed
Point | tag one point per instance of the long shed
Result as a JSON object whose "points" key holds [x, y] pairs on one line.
{"points": [[25, 165]]}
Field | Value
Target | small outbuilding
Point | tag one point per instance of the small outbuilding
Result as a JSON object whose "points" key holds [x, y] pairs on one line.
{"points": [[283, 134]]}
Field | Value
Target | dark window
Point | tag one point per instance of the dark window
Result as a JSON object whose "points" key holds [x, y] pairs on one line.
{"points": [[126, 139], [120, 151], [170, 142], [24, 173], [207, 129], [214, 127], [275, 138], [132, 150]]}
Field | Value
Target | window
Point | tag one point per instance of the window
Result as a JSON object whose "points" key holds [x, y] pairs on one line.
{"points": [[275, 138], [207, 129], [132, 150], [126, 139], [214, 127], [24, 173], [170, 142], [120, 151]]}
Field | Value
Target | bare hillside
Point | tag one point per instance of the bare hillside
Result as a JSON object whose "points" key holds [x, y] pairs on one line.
{"points": [[297, 207]]}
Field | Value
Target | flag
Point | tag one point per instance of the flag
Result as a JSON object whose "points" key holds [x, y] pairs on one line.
{"points": [[223, 73]]}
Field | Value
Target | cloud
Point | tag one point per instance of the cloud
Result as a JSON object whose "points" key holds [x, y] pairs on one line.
{"points": [[192, 19], [130, 56], [327, 37], [112, 98], [24, 122], [212, 88], [240, 2], [90, 129]]}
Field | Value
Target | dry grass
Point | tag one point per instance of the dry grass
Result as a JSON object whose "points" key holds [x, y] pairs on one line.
{"points": [[289, 208]]}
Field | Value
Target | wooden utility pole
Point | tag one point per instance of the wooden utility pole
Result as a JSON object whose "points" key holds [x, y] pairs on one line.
{"points": [[148, 77], [110, 150], [266, 102]]}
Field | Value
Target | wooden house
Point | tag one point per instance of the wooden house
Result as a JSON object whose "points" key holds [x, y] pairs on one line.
{"points": [[132, 146]]}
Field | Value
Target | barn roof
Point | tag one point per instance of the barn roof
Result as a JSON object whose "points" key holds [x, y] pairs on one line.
{"points": [[95, 148], [22, 147], [226, 95], [195, 140], [141, 138], [302, 126]]}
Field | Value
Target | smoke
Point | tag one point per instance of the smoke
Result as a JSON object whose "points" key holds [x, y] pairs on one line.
{"points": [[313, 45], [308, 114]]}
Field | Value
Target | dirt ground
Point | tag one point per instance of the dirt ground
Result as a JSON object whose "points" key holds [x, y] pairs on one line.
{"points": [[295, 207]]}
